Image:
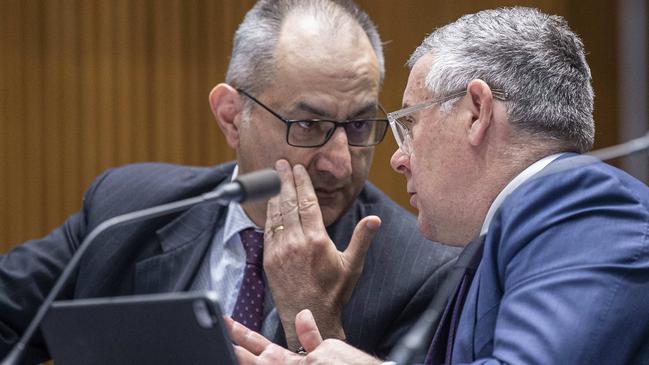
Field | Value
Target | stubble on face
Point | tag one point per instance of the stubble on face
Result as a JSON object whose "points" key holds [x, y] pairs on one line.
{"points": [[436, 168], [419, 182]]}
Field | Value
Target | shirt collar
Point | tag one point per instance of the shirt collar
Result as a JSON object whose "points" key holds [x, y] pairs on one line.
{"points": [[517, 181], [236, 219]]}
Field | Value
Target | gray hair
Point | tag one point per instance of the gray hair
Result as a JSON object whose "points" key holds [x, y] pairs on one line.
{"points": [[252, 64], [532, 56]]}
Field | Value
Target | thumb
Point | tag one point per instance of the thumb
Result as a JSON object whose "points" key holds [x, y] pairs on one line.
{"points": [[360, 242], [307, 330]]}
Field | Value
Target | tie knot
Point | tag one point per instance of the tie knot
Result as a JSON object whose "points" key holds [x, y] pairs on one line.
{"points": [[253, 243]]}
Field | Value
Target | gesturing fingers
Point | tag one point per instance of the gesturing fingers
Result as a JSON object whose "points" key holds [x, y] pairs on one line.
{"points": [[253, 348], [273, 219], [272, 355], [308, 206], [244, 337], [288, 197], [360, 242], [307, 330], [244, 356]]}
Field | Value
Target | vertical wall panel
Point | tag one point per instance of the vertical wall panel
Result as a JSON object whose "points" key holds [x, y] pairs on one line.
{"points": [[138, 79], [596, 23], [4, 131], [89, 84], [89, 90], [123, 97], [70, 113], [10, 70], [105, 88], [192, 98], [32, 110], [52, 112]]}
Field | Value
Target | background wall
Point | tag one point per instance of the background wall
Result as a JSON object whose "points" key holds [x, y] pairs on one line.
{"points": [[90, 84]]}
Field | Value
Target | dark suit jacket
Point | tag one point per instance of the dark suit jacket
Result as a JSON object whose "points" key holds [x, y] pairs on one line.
{"points": [[564, 277], [401, 273]]}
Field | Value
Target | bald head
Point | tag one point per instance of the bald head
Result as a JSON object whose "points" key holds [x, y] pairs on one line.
{"points": [[327, 25], [326, 48]]}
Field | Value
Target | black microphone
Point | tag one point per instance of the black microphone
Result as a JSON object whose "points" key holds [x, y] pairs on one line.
{"points": [[253, 186]]}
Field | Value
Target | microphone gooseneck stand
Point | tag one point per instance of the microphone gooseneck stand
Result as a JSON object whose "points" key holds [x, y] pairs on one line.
{"points": [[255, 185]]}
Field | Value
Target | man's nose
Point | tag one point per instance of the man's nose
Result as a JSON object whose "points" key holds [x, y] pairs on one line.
{"points": [[400, 162], [336, 158]]}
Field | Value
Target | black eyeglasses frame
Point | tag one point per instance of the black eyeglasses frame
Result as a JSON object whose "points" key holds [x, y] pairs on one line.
{"points": [[343, 124]]}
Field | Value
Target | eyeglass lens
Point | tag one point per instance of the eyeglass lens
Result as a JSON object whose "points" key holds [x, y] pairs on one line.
{"points": [[317, 132]]}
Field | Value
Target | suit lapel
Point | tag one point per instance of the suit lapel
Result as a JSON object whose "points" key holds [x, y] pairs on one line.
{"points": [[184, 243]]}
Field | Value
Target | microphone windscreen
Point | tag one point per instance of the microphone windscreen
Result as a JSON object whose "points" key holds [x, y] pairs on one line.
{"points": [[259, 184]]}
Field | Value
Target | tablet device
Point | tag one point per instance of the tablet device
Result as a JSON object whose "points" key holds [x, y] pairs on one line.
{"points": [[173, 328]]}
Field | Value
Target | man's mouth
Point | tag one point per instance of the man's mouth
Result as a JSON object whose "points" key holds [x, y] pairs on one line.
{"points": [[326, 194]]}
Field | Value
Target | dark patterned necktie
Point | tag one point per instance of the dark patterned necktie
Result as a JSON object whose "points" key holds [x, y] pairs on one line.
{"points": [[249, 309], [441, 348]]}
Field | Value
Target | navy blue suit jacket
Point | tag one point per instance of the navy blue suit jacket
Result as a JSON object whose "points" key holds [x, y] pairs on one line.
{"points": [[564, 278], [402, 270]]}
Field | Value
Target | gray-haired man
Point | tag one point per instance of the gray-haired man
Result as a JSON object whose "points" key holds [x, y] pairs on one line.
{"points": [[497, 108]]}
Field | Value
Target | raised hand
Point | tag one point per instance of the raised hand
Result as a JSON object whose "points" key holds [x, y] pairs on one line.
{"points": [[303, 266]]}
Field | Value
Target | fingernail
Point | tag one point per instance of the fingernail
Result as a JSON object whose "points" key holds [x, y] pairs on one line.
{"points": [[306, 314], [281, 165], [374, 224], [299, 167]]}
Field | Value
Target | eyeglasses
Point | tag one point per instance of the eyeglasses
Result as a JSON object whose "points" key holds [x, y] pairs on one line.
{"points": [[316, 132], [401, 123]]}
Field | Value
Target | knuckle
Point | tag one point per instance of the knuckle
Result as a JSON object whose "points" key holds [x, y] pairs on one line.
{"points": [[308, 203], [288, 205], [248, 336], [292, 247], [274, 349], [276, 217], [316, 238]]}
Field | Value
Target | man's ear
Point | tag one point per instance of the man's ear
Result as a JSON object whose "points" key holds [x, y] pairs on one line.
{"points": [[481, 106], [227, 106]]}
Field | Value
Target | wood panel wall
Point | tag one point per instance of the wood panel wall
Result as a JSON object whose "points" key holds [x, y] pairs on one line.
{"points": [[90, 84]]}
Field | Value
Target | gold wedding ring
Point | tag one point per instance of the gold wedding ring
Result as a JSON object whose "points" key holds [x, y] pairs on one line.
{"points": [[278, 228]]}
